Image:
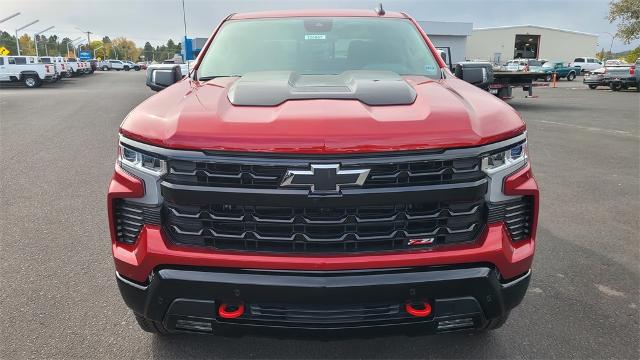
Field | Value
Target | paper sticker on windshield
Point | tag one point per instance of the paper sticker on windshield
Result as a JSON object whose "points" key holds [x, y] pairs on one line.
{"points": [[315, 37], [430, 69]]}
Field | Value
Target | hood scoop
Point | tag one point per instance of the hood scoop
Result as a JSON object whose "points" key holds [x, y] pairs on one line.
{"points": [[271, 88]]}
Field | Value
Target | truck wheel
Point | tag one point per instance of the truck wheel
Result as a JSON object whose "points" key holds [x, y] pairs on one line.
{"points": [[548, 78], [593, 87], [151, 326], [615, 86], [31, 81], [571, 76], [126, 68], [105, 68]]}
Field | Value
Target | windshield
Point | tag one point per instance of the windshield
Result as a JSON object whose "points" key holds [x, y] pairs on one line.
{"points": [[547, 65], [318, 46]]}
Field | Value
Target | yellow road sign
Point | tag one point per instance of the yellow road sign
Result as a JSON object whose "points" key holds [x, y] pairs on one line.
{"points": [[4, 51]]}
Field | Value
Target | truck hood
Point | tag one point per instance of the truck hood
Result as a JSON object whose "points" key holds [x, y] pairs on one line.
{"points": [[199, 116]]}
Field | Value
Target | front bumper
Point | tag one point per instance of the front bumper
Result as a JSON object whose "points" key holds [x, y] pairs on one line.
{"points": [[331, 303]]}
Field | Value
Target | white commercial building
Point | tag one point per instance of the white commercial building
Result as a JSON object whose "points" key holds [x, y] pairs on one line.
{"points": [[499, 44], [450, 37]]}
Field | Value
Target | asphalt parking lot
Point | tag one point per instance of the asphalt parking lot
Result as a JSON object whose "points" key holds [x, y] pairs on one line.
{"points": [[59, 296]]}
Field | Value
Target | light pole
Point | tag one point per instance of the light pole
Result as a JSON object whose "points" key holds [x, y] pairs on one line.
{"points": [[80, 43], [71, 41], [9, 17], [94, 50], [35, 39], [88, 35], [22, 28], [613, 36]]}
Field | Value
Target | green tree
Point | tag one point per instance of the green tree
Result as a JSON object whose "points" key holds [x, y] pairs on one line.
{"points": [[8, 41], [26, 45], [148, 51], [633, 55], [627, 14]]}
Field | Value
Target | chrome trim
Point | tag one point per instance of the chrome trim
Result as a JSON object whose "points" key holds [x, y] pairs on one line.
{"points": [[285, 159], [511, 283], [131, 283]]}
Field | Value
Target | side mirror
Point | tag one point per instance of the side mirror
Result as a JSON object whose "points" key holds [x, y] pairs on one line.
{"points": [[162, 76], [479, 74]]}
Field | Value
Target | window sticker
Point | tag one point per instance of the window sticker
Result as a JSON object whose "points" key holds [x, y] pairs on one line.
{"points": [[315, 37], [430, 69]]}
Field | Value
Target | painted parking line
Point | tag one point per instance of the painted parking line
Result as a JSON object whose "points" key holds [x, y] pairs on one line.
{"points": [[588, 128]]}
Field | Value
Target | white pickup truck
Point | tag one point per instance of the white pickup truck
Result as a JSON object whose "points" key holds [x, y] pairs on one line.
{"points": [[77, 66], [62, 67], [25, 69]]}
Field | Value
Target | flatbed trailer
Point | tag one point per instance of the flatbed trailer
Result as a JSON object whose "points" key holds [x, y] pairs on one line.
{"points": [[504, 82]]}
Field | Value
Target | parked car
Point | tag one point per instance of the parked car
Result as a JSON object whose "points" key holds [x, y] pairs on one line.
{"points": [[130, 65], [143, 65], [26, 69], [595, 78], [586, 63], [112, 64], [623, 76], [561, 69], [318, 190], [531, 65]]}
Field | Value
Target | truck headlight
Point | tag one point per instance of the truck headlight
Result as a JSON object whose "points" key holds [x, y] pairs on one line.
{"points": [[140, 161], [513, 157]]}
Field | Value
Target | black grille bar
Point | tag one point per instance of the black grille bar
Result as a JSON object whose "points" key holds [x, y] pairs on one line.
{"points": [[324, 229], [131, 216], [391, 173], [516, 214]]}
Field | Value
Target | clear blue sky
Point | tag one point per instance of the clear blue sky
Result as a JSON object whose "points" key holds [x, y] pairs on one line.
{"points": [[159, 20]]}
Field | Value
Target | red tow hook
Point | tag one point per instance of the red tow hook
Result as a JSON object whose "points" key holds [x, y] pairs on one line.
{"points": [[230, 311], [418, 309]]}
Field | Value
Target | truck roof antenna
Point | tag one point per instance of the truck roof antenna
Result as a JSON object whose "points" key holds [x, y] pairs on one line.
{"points": [[379, 10]]}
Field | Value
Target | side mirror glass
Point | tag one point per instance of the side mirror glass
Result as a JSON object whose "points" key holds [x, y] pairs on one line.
{"points": [[162, 76]]}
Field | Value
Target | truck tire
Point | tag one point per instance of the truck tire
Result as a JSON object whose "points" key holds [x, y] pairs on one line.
{"points": [[31, 81], [593, 87], [548, 77], [154, 327], [571, 76], [615, 86], [126, 68], [105, 68]]}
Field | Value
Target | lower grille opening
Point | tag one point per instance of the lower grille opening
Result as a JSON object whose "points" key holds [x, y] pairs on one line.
{"points": [[322, 315], [325, 230], [129, 218], [516, 214]]}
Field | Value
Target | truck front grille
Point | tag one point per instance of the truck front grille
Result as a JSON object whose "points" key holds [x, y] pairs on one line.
{"points": [[392, 172], [324, 229]]}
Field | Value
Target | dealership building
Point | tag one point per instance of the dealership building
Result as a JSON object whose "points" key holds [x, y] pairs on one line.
{"points": [[499, 44]]}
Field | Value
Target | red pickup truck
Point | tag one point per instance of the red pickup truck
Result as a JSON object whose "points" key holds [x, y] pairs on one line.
{"points": [[321, 172]]}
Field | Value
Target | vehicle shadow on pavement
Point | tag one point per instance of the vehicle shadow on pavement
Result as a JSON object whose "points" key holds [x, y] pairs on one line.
{"points": [[443, 346]]}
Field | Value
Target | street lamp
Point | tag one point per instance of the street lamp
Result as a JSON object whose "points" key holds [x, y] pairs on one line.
{"points": [[35, 39], [9, 17], [80, 43], [71, 41], [94, 50], [22, 28]]}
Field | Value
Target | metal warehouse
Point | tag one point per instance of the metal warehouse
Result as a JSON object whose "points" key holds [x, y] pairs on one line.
{"points": [[499, 44]]}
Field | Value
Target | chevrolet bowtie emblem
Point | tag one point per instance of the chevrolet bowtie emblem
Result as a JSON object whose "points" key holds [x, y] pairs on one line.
{"points": [[325, 178]]}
